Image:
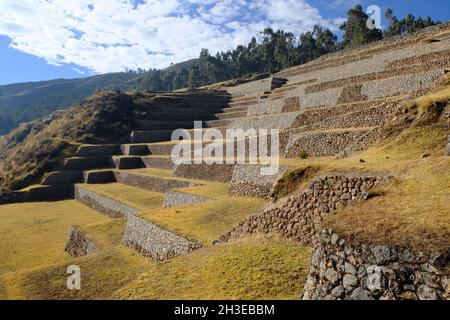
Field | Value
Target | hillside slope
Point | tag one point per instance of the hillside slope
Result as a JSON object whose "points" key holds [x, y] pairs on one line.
{"points": [[24, 102], [35, 147], [362, 194]]}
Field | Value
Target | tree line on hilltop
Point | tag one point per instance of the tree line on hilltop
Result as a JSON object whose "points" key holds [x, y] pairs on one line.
{"points": [[277, 50]]}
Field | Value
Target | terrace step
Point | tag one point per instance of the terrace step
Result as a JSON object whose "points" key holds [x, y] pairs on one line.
{"points": [[322, 143], [135, 149], [213, 172], [134, 197], [165, 149], [242, 98], [63, 177], [236, 109], [101, 203], [128, 162], [155, 242], [158, 162], [38, 193], [98, 176], [150, 136], [277, 82], [98, 150], [76, 163], [231, 115], [150, 181], [177, 114], [163, 125], [218, 123], [243, 103]]}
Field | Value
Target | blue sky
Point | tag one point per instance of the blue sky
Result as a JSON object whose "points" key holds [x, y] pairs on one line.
{"points": [[48, 39]]}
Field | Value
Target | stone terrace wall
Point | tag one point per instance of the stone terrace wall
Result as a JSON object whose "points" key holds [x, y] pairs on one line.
{"points": [[249, 87], [399, 70], [174, 198], [367, 117], [247, 180], [151, 183], [298, 217], [155, 242], [105, 205], [77, 244], [320, 144], [387, 49], [213, 172], [275, 121], [265, 107], [342, 269]]}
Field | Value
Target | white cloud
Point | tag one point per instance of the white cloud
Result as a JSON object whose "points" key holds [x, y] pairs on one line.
{"points": [[116, 35]]}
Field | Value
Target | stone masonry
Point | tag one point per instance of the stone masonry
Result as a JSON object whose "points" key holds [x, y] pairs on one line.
{"points": [[248, 180], [174, 198], [344, 269], [77, 244], [298, 217], [155, 242]]}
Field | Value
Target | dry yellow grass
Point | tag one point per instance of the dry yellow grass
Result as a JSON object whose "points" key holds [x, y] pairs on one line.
{"points": [[205, 222], [135, 197], [101, 274], [412, 210], [34, 234], [249, 269], [439, 95]]}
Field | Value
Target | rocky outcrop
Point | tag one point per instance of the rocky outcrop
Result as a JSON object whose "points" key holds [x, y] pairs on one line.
{"points": [[155, 242], [77, 244], [298, 217], [345, 269]]}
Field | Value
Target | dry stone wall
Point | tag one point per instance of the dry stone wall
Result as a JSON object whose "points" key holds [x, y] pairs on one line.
{"points": [[320, 144], [105, 205], [366, 61], [174, 198], [402, 84], [151, 183], [213, 172], [346, 269], [248, 180], [249, 87], [275, 121], [265, 107], [154, 242], [77, 244], [299, 217], [368, 117]]}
